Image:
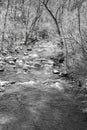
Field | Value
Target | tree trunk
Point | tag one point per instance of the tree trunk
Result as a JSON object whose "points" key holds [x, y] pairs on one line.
{"points": [[3, 33]]}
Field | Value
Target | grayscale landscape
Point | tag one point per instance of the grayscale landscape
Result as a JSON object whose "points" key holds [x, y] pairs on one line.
{"points": [[43, 64]]}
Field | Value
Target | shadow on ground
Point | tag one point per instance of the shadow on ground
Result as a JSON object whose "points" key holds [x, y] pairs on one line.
{"points": [[40, 109]]}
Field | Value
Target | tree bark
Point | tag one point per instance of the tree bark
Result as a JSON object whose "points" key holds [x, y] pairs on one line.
{"points": [[3, 33]]}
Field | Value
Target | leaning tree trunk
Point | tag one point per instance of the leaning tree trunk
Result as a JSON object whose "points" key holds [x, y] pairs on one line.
{"points": [[55, 21]]}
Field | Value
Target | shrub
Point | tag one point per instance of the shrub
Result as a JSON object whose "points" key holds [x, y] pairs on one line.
{"points": [[79, 70], [43, 34]]}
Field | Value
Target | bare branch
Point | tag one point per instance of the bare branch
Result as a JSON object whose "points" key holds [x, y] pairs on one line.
{"points": [[77, 4], [57, 11], [74, 39], [54, 18], [47, 2]]}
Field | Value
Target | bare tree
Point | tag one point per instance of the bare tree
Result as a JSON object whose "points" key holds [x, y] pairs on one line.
{"points": [[26, 24], [5, 20], [57, 16], [74, 4], [45, 3], [77, 4], [38, 14], [34, 22]]}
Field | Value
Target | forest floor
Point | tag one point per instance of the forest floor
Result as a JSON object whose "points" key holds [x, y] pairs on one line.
{"points": [[27, 69], [34, 68]]}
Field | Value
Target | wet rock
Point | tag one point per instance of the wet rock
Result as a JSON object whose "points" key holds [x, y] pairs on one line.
{"points": [[10, 60], [29, 49], [2, 89], [19, 62], [2, 69], [27, 83], [55, 71]]}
